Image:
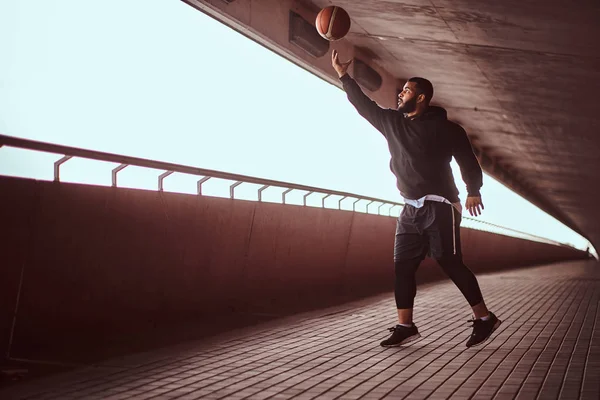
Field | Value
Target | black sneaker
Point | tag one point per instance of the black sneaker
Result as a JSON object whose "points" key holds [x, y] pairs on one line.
{"points": [[401, 335], [482, 330]]}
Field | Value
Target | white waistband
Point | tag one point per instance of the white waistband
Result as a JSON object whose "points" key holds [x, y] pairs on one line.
{"points": [[432, 197]]}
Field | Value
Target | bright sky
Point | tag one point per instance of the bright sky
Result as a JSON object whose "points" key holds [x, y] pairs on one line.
{"points": [[160, 80]]}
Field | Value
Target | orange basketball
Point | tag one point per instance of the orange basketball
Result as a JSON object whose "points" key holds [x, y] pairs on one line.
{"points": [[333, 23]]}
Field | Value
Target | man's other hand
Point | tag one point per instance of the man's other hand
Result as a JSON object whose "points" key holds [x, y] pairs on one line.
{"points": [[340, 67], [474, 205]]}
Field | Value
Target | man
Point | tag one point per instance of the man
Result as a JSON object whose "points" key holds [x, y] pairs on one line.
{"points": [[422, 143]]}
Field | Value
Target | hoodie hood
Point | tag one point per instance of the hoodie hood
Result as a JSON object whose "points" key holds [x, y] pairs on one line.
{"points": [[435, 112]]}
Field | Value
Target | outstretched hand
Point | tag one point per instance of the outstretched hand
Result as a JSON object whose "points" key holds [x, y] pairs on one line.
{"points": [[340, 67], [474, 205]]}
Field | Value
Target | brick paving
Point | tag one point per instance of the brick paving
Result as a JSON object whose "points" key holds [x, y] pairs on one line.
{"points": [[548, 347]]}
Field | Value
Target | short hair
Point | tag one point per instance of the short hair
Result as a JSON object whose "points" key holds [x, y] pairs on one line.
{"points": [[424, 86]]}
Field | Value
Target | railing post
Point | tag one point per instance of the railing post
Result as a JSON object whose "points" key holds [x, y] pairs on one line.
{"points": [[232, 188], [57, 167], [340, 202], [161, 178], [200, 182], [323, 200], [354, 205], [379, 208], [305, 196], [371, 202], [284, 193], [260, 192], [115, 172]]}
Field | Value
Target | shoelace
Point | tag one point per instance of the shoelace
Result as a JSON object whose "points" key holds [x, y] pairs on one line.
{"points": [[395, 327], [474, 322]]}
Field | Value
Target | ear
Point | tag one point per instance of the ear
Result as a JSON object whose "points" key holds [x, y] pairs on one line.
{"points": [[420, 98]]}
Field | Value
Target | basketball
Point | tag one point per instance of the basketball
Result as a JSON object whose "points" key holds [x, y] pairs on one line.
{"points": [[333, 23]]}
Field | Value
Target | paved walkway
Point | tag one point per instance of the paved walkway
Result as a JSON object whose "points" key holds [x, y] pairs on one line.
{"points": [[548, 347]]}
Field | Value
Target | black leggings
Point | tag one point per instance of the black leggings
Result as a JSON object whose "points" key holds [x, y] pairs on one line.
{"points": [[433, 229], [406, 287]]}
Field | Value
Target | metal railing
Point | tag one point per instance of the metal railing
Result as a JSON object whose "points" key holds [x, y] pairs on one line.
{"points": [[68, 153]]}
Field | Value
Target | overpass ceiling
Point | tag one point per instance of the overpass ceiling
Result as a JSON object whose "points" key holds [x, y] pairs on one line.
{"points": [[522, 77]]}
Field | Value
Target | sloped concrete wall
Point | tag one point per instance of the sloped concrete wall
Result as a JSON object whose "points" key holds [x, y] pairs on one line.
{"points": [[97, 262]]}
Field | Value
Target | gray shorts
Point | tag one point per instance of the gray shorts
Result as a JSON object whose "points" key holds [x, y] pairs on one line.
{"points": [[432, 230]]}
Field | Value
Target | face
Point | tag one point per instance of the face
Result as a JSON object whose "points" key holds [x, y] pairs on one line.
{"points": [[407, 98]]}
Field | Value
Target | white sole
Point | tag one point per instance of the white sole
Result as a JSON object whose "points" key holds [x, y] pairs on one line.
{"points": [[407, 340]]}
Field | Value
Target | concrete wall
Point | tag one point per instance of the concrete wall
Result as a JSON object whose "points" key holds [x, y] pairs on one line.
{"points": [[99, 262]]}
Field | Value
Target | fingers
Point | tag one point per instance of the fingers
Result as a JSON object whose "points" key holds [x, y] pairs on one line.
{"points": [[475, 209], [475, 206], [336, 60], [479, 206]]}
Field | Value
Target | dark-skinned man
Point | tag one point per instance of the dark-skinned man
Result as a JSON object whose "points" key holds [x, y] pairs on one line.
{"points": [[422, 142]]}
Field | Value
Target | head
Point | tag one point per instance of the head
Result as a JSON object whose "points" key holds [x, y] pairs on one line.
{"points": [[415, 95]]}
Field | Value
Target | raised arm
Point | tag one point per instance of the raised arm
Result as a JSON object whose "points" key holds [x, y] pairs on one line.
{"points": [[363, 104]]}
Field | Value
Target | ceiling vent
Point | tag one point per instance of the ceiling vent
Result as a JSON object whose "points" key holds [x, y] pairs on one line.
{"points": [[366, 76], [304, 35]]}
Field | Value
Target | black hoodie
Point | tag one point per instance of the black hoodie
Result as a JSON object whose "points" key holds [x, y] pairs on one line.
{"points": [[421, 148]]}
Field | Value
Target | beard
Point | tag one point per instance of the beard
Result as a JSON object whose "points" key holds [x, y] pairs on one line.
{"points": [[408, 106]]}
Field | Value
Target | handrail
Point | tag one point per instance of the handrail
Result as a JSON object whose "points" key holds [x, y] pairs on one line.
{"points": [[124, 161], [69, 152]]}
